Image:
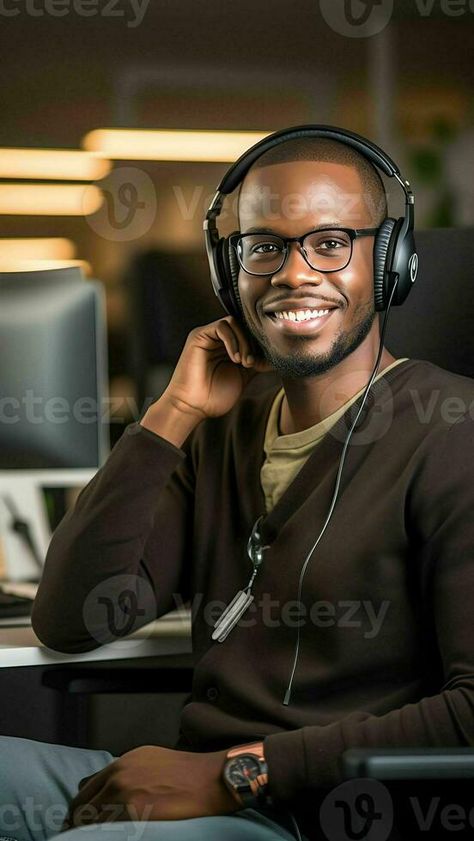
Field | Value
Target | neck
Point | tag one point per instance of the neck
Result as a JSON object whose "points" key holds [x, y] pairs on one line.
{"points": [[309, 400]]}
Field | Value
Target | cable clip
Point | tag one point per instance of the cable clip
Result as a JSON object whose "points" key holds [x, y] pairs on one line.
{"points": [[244, 598]]}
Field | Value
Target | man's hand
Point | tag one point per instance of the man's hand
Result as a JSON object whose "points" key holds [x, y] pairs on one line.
{"points": [[154, 783], [211, 373]]}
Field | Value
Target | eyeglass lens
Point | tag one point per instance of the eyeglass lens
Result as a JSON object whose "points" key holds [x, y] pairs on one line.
{"points": [[265, 253]]}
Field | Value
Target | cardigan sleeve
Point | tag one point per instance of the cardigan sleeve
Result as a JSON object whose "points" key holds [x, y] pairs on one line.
{"points": [[440, 505], [135, 513]]}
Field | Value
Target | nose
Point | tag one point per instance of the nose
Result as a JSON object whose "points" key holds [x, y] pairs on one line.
{"points": [[295, 270]]}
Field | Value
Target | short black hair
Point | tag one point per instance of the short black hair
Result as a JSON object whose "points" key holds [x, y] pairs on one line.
{"points": [[332, 151]]}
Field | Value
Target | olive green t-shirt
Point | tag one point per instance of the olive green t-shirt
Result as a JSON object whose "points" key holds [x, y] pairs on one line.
{"points": [[286, 454]]}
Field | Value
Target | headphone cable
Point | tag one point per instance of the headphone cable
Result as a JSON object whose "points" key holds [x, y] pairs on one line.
{"points": [[287, 697]]}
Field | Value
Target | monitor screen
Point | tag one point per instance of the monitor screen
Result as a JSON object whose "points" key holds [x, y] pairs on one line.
{"points": [[52, 371]]}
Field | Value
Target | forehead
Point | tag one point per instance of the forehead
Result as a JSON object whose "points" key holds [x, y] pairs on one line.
{"points": [[297, 195]]}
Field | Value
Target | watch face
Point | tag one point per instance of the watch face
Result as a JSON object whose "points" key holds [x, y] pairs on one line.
{"points": [[241, 769]]}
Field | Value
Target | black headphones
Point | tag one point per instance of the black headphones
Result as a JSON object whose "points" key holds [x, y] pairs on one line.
{"points": [[394, 248]]}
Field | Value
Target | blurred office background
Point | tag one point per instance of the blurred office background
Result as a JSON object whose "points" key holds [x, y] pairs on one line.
{"points": [[69, 70]]}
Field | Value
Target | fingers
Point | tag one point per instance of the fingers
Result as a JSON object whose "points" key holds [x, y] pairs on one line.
{"points": [[89, 787], [235, 340], [252, 356]]}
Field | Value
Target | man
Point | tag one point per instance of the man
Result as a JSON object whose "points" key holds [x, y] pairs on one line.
{"points": [[385, 628]]}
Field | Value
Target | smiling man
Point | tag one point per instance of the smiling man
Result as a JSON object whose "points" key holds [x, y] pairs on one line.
{"points": [[217, 497], [321, 227]]}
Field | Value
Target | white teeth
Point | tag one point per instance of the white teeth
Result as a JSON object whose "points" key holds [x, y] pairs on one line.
{"points": [[301, 315]]}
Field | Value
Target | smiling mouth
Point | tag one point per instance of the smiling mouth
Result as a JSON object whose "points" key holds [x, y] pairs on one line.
{"points": [[300, 321]]}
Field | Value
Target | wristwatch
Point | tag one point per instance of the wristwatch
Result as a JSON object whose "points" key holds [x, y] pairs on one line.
{"points": [[246, 775]]}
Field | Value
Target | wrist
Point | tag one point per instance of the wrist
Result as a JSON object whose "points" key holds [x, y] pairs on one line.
{"points": [[245, 775], [165, 419]]}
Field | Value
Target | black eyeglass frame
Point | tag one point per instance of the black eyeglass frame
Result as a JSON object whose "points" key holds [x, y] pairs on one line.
{"points": [[353, 233]]}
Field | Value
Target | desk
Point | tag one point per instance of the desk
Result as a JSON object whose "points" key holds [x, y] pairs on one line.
{"points": [[19, 645], [27, 670], [171, 634]]}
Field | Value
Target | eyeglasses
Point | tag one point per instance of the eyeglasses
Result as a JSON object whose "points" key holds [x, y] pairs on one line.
{"points": [[325, 249]]}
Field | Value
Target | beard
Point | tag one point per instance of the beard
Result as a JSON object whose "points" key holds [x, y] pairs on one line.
{"points": [[300, 363]]}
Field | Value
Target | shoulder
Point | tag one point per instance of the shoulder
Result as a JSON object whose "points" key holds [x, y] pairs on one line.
{"points": [[434, 396], [433, 376]]}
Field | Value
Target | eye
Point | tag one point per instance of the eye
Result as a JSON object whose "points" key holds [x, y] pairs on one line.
{"points": [[328, 242], [265, 248], [331, 245]]}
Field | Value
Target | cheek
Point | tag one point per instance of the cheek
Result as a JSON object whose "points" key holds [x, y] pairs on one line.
{"points": [[248, 291], [357, 280]]}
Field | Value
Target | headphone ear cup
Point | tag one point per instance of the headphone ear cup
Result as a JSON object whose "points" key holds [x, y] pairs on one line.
{"points": [[230, 274], [381, 263], [234, 269], [228, 269]]}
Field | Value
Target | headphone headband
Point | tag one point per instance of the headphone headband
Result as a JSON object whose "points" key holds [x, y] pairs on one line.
{"points": [[239, 169]]}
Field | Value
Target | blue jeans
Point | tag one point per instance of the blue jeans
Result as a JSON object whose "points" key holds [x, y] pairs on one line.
{"points": [[38, 781]]}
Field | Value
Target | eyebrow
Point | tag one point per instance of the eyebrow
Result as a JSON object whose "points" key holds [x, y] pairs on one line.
{"points": [[330, 226]]}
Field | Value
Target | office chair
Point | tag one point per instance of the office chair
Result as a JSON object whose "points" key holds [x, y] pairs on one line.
{"points": [[435, 323]]}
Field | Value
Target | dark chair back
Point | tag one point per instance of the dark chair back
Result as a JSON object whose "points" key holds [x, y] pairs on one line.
{"points": [[436, 322]]}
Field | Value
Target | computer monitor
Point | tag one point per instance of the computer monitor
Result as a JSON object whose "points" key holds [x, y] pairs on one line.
{"points": [[52, 371], [53, 392]]}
